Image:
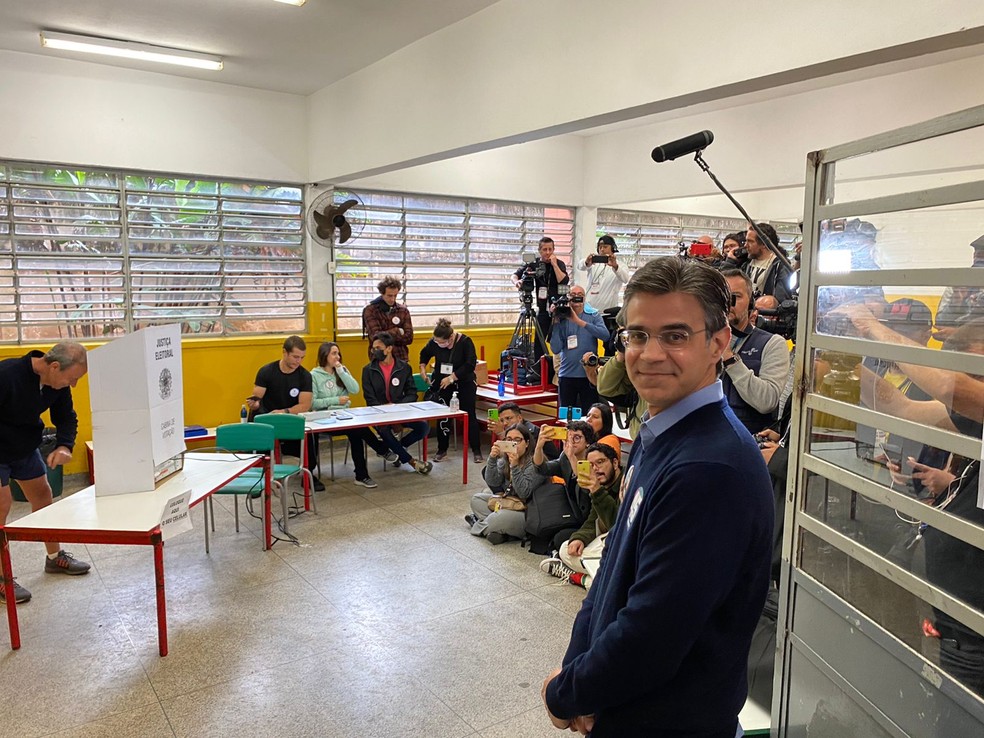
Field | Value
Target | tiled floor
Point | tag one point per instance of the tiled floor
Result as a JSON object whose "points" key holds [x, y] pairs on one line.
{"points": [[389, 619]]}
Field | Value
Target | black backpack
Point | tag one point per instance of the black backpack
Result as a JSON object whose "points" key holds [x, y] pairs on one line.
{"points": [[549, 510]]}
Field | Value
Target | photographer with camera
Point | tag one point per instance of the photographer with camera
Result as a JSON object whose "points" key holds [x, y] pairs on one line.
{"points": [[574, 332], [606, 276], [769, 275], [540, 280], [755, 363], [385, 315]]}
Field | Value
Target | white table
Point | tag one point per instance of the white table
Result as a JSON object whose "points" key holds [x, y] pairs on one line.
{"points": [[130, 519], [392, 414]]}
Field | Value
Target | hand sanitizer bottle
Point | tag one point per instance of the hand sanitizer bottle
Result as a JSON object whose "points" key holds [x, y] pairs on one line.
{"points": [[455, 404]]}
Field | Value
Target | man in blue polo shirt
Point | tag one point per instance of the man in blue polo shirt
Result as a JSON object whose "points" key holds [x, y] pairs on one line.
{"points": [[660, 645], [576, 331]]}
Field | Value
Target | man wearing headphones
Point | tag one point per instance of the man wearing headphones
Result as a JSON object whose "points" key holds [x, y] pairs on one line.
{"points": [[605, 277]]}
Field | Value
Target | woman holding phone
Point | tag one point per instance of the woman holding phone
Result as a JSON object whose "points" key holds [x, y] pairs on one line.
{"points": [[600, 418], [510, 468]]}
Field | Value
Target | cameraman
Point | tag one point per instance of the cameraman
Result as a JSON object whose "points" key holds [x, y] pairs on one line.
{"points": [[769, 275], [385, 315], [575, 331], [606, 276], [548, 273]]}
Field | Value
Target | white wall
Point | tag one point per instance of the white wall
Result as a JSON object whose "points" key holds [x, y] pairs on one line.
{"points": [[760, 149], [58, 110], [549, 172], [521, 70]]}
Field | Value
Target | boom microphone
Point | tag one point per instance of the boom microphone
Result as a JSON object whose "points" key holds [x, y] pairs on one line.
{"points": [[681, 147]]}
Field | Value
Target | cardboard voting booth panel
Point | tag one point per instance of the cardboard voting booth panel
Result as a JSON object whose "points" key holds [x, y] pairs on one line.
{"points": [[135, 391]]}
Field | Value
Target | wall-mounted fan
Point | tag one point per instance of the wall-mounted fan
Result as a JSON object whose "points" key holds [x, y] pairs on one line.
{"points": [[336, 217]]}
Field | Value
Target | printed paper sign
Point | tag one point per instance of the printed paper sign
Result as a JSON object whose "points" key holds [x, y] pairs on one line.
{"points": [[177, 517]]}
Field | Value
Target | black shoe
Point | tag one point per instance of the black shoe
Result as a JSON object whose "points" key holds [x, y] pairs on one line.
{"points": [[471, 519], [496, 538], [318, 485]]}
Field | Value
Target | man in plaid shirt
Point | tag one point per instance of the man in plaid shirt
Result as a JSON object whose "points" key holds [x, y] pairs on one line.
{"points": [[385, 315]]}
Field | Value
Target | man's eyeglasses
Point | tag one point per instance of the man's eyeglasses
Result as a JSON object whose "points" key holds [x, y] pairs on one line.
{"points": [[676, 338]]}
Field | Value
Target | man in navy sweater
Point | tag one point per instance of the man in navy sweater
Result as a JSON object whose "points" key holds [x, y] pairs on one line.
{"points": [[29, 386], [660, 646]]}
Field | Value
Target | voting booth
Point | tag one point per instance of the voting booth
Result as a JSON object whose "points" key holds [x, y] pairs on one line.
{"points": [[135, 391]]}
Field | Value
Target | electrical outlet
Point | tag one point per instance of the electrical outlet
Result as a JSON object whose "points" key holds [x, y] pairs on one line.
{"points": [[331, 267]]}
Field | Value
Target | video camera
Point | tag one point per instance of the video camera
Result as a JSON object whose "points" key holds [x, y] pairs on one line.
{"points": [[595, 360], [534, 270], [781, 320], [562, 302]]}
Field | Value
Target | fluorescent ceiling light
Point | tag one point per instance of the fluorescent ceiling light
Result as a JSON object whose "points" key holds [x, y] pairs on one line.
{"points": [[298, 3], [129, 50]]}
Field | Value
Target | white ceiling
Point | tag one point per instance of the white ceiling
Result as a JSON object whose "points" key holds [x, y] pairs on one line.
{"points": [[265, 44]]}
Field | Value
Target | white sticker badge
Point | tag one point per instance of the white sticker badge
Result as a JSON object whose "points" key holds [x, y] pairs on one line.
{"points": [[294, 392], [636, 504], [395, 382], [396, 320]]}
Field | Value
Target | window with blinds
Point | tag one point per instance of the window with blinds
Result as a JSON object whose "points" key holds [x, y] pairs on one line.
{"points": [[643, 235], [92, 253], [454, 256]]}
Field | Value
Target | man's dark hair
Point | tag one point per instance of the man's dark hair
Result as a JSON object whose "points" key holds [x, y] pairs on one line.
{"points": [[739, 237], [294, 342], [388, 283], [511, 406], [384, 338], [545, 239], [608, 241], [603, 448], [585, 428], [667, 274], [726, 273], [769, 232]]}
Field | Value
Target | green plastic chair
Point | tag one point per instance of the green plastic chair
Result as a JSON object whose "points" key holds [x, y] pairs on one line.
{"points": [[242, 438], [290, 428]]}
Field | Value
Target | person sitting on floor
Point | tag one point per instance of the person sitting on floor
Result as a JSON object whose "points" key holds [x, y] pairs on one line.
{"points": [[512, 414], [388, 380], [585, 545], [513, 472], [580, 435], [333, 386]]}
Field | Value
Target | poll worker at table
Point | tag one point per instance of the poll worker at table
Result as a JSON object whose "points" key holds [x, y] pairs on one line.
{"points": [[454, 358], [333, 386], [388, 380], [660, 645], [28, 386], [284, 386]]}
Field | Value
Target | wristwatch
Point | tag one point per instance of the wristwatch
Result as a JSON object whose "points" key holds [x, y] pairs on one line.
{"points": [[732, 361]]}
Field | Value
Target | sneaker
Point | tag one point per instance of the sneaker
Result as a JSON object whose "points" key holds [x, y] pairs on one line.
{"points": [[441, 456], [471, 519], [422, 467], [495, 538], [65, 563], [479, 459], [21, 594], [319, 486], [557, 568], [389, 456], [367, 483]]}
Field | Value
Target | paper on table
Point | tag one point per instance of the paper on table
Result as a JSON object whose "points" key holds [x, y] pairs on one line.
{"points": [[363, 411], [392, 408], [428, 406]]}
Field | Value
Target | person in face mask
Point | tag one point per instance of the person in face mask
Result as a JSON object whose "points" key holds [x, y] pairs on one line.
{"points": [[756, 362], [387, 380]]}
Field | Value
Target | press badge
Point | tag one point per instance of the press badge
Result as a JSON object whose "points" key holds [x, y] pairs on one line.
{"points": [[572, 342], [541, 294], [446, 368]]}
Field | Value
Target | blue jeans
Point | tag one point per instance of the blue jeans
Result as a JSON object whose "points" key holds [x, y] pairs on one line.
{"points": [[418, 430]]}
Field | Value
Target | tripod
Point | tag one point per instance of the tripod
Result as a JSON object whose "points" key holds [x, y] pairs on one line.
{"points": [[527, 337]]}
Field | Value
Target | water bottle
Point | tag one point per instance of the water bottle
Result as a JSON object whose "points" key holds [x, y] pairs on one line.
{"points": [[454, 405], [502, 385], [243, 414]]}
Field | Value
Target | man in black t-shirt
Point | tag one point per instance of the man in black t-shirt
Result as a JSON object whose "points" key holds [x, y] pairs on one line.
{"points": [[285, 387]]}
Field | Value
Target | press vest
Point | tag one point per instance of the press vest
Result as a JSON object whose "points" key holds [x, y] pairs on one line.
{"points": [[751, 356]]}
